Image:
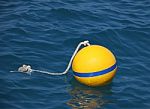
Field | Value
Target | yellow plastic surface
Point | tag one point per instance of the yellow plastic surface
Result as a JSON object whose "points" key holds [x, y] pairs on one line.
{"points": [[94, 58]]}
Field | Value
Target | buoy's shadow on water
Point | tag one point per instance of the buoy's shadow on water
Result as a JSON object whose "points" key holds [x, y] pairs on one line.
{"points": [[84, 97]]}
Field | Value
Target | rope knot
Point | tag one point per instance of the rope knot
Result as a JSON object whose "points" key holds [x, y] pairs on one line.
{"points": [[25, 68], [85, 43]]}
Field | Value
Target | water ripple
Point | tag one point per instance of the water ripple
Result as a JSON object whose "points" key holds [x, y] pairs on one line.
{"points": [[45, 34]]}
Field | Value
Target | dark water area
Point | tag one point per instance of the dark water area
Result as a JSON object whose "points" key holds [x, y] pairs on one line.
{"points": [[44, 34]]}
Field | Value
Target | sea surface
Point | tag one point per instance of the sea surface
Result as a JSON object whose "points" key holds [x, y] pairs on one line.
{"points": [[45, 33]]}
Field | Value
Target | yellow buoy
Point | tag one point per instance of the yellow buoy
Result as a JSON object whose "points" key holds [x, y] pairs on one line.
{"points": [[94, 65]]}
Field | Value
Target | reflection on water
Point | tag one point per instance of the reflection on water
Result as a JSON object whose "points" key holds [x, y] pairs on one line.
{"points": [[83, 97]]}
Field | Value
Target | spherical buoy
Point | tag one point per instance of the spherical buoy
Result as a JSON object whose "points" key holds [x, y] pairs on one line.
{"points": [[94, 65]]}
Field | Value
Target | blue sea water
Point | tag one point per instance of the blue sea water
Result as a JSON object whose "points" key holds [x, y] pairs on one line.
{"points": [[44, 34]]}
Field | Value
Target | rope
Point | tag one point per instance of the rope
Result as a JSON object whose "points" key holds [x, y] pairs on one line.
{"points": [[27, 68]]}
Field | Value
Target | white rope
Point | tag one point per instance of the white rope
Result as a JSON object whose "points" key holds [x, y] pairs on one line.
{"points": [[27, 68]]}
